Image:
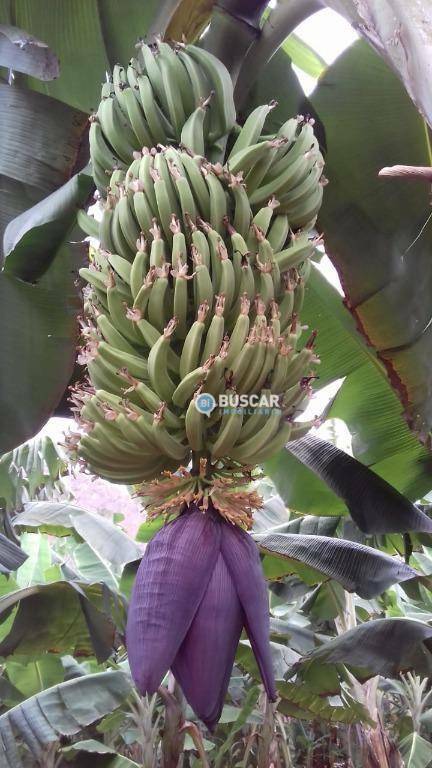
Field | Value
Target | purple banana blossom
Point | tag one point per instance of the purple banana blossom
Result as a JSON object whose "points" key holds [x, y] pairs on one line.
{"points": [[199, 583]]}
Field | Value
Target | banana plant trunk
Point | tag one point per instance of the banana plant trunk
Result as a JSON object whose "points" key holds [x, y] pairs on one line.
{"points": [[235, 25]]}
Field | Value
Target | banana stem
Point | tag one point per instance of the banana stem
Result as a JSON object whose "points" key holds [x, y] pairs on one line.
{"points": [[232, 32], [279, 24]]}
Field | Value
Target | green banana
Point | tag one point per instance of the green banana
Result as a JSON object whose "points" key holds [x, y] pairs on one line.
{"points": [[105, 224], [222, 111], [202, 283], [218, 201], [242, 209], [136, 365], [143, 296], [167, 444], [116, 129], [159, 127], [190, 383], [160, 378], [298, 250], [159, 302], [252, 128], [279, 231], [225, 259], [260, 439], [113, 336], [139, 266], [195, 426], [192, 344], [227, 278], [240, 331], [192, 134], [277, 442], [215, 332], [229, 431], [197, 183], [180, 307]]}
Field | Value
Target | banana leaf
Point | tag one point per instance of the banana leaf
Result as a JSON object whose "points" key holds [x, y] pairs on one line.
{"points": [[87, 36], [27, 470], [60, 518], [32, 239], [21, 52], [64, 616], [37, 348], [62, 710], [11, 555], [90, 749], [356, 567], [41, 140], [377, 230], [416, 751], [396, 30], [373, 504], [366, 402], [32, 674], [377, 647]]}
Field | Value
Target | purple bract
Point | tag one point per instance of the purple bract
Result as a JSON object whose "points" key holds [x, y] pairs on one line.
{"points": [[199, 583]]}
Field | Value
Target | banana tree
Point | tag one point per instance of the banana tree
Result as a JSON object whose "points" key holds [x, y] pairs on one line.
{"points": [[230, 210]]}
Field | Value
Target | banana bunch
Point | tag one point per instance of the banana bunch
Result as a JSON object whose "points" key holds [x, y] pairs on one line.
{"points": [[199, 280], [287, 166], [166, 182], [200, 315], [167, 95]]}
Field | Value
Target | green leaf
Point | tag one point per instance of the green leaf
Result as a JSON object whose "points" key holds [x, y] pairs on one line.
{"points": [[106, 539], [382, 25], [63, 616], [15, 198], [304, 56], [62, 710], [93, 747], [373, 504], [88, 41], [416, 751], [29, 468], [37, 348], [358, 568], [148, 529], [375, 227], [274, 517], [11, 555], [301, 490], [23, 53], [282, 659], [299, 637], [91, 568], [301, 702], [367, 404], [31, 675], [377, 647], [40, 139], [326, 602], [32, 240], [38, 561]]}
